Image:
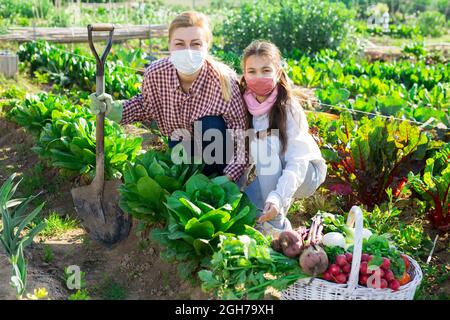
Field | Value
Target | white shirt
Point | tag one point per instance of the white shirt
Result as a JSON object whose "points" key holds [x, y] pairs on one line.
{"points": [[300, 150]]}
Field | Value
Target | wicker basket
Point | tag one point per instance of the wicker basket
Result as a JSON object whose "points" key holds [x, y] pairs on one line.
{"points": [[318, 289]]}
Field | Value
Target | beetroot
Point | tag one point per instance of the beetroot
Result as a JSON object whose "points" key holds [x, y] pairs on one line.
{"points": [[314, 260], [291, 243]]}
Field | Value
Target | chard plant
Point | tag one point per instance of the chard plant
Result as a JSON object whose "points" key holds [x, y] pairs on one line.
{"points": [[434, 185]]}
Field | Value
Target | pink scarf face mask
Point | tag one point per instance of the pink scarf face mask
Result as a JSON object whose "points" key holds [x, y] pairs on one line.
{"points": [[255, 107]]}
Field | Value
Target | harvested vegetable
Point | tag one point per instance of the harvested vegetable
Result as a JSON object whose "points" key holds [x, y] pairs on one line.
{"points": [[291, 243], [334, 239], [314, 259]]}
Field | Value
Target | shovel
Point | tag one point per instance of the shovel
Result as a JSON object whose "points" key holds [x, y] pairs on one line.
{"points": [[97, 204]]}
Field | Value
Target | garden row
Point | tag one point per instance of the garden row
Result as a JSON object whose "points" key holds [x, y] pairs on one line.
{"points": [[412, 90], [201, 215]]}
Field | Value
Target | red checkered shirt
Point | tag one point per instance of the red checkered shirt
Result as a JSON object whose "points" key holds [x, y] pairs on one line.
{"points": [[163, 100]]}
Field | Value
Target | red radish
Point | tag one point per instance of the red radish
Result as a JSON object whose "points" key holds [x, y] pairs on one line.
{"points": [[363, 268], [363, 280], [334, 269], [382, 273], [386, 264], [327, 276], [370, 258], [341, 260], [389, 275], [346, 268], [394, 285], [383, 284], [364, 257], [341, 278], [349, 257]]}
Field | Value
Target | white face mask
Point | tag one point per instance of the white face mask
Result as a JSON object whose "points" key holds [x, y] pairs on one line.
{"points": [[187, 61]]}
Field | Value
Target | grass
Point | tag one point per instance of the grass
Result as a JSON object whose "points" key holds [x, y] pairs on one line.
{"points": [[110, 289], [48, 254], [57, 225]]}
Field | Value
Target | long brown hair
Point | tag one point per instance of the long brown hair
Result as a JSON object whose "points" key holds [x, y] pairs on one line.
{"points": [[197, 19], [278, 113]]}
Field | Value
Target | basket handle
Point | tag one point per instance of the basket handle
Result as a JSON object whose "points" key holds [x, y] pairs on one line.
{"points": [[355, 218]]}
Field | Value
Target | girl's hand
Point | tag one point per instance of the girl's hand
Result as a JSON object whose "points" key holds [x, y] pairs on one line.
{"points": [[269, 213]]}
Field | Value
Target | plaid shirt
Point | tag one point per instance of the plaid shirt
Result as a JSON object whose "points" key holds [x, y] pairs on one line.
{"points": [[164, 101]]}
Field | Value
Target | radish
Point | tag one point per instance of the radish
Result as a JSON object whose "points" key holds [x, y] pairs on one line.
{"points": [[389, 275], [341, 260], [394, 285], [383, 284], [364, 257], [346, 268], [363, 280], [334, 269], [363, 268], [349, 257], [386, 264], [341, 278], [327, 276]]}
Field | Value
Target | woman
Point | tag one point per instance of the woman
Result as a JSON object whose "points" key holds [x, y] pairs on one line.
{"points": [[186, 87], [287, 159]]}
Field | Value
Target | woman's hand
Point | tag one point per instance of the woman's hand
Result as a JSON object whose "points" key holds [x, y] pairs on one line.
{"points": [[269, 212], [104, 103]]}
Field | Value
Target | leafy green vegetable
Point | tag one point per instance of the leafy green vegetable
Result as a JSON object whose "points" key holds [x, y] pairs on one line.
{"points": [[245, 266], [199, 214], [148, 182], [371, 155], [434, 185]]}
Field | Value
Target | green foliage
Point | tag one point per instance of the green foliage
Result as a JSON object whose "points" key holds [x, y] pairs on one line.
{"points": [[245, 266], [308, 26], [80, 295], [57, 225], [198, 215], [432, 23], [66, 70], [48, 254], [16, 233], [371, 155], [148, 181], [434, 185]]}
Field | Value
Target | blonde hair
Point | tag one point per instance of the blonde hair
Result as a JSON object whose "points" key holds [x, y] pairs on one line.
{"points": [[196, 19]]}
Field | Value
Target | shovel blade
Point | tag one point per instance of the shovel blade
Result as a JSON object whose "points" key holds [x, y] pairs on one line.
{"points": [[102, 218]]}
